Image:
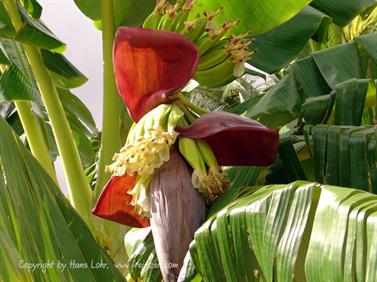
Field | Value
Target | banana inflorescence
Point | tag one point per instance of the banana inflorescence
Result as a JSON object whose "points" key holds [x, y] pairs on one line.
{"points": [[222, 55]]}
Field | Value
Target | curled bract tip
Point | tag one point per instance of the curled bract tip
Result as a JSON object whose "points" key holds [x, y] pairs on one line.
{"points": [[235, 140]]}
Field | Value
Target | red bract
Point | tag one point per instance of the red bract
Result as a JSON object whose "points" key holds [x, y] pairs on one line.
{"points": [[235, 140], [150, 65], [114, 203]]}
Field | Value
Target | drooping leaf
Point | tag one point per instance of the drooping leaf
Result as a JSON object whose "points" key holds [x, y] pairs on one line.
{"points": [[344, 155], [64, 73], [342, 11], [39, 224], [314, 76], [277, 44], [310, 78], [349, 101], [338, 64], [278, 106], [312, 22], [271, 234], [368, 42], [15, 86], [35, 33], [316, 110], [79, 117]]}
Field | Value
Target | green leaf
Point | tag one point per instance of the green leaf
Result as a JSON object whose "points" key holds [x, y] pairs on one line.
{"points": [[280, 105], [64, 73], [126, 12], [40, 223], [313, 76], [350, 101], [316, 110], [240, 177], [277, 44], [15, 86], [344, 155], [133, 238], [32, 7], [368, 42], [35, 33], [287, 154], [79, 117], [271, 234], [310, 78], [342, 11], [141, 253], [90, 8], [82, 124], [258, 16], [338, 64], [6, 27], [312, 22], [132, 13], [4, 60]]}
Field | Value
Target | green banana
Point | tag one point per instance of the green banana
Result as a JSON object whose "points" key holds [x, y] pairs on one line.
{"points": [[179, 21], [153, 20], [217, 76], [197, 30], [205, 43], [191, 153], [166, 23], [207, 154], [156, 117], [161, 115], [212, 58], [174, 117]]}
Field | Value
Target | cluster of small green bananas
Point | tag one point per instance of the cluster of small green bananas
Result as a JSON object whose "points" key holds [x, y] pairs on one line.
{"points": [[222, 55], [207, 177]]}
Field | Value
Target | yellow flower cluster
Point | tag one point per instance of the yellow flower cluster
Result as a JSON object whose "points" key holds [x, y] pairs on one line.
{"points": [[145, 155]]}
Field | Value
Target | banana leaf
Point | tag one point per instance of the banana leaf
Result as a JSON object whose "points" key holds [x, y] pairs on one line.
{"points": [[313, 22], [126, 12], [344, 155], [270, 234], [39, 230], [304, 230], [337, 71]]}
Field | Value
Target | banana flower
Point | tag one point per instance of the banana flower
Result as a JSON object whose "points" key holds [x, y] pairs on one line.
{"points": [[171, 164]]}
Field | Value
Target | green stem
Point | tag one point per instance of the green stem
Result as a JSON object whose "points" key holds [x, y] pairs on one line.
{"points": [[110, 141], [200, 111], [188, 115], [78, 188], [35, 136]]}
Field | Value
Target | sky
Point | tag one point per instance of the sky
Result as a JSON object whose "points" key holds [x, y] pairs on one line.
{"points": [[84, 50]]}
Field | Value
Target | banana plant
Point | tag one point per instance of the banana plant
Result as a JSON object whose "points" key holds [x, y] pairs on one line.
{"points": [[170, 172]]}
